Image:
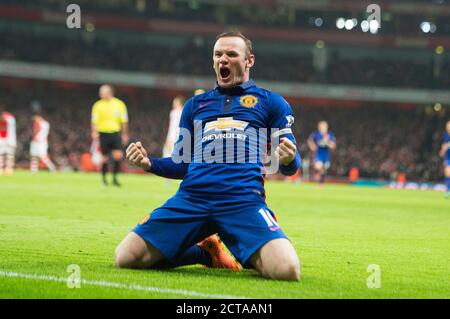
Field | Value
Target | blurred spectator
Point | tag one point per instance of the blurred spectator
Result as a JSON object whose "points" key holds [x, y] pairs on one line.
{"points": [[256, 14], [190, 60]]}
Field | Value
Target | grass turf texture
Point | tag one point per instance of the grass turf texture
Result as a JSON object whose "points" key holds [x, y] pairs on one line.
{"points": [[50, 221]]}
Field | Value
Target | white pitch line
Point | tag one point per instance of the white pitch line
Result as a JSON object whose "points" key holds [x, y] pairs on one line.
{"points": [[111, 284]]}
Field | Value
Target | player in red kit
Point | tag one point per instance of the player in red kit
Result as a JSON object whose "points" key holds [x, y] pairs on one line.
{"points": [[39, 144], [8, 142]]}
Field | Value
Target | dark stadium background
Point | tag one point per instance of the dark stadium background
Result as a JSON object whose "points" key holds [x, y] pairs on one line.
{"points": [[385, 95]]}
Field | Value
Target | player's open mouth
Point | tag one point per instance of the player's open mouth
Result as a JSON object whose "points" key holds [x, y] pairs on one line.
{"points": [[225, 73]]}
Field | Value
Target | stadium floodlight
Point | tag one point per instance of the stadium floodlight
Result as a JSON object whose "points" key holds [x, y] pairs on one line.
{"points": [[318, 22], [340, 23], [373, 26], [349, 24], [365, 25], [355, 22], [433, 28], [425, 26]]}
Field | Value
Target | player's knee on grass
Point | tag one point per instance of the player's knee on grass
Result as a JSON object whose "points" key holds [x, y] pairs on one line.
{"points": [[277, 260], [125, 259], [288, 269], [135, 252]]}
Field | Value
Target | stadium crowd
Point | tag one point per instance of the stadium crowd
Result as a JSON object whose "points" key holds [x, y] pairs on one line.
{"points": [[189, 59], [381, 141], [250, 14]]}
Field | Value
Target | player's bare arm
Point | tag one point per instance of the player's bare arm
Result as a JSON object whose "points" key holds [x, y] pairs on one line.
{"points": [[94, 132], [285, 152], [137, 156], [331, 145], [124, 133]]}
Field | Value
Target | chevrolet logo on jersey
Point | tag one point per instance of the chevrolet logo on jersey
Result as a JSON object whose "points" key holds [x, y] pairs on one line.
{"points": [[225, 124]]}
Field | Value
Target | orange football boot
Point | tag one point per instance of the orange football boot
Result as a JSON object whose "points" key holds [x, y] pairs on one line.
{"points": [[219, 256]]}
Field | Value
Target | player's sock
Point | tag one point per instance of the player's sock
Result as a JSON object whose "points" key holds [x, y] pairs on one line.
{"points": [[51, 167], [1, 163], [116, 169], [9, 164], [447, 183], [104, 172], [34, 165], [193, 255]]}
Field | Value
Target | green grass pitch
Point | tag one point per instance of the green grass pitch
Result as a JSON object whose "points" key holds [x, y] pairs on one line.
{"points": [[49, 221]]}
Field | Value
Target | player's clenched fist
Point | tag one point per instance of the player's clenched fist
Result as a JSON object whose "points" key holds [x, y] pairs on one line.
{"points": [[285, 152], [137, 156]]}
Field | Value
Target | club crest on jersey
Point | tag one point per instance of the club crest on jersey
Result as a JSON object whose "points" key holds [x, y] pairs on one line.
{"points": [[290, 120], [248, 101], [225, 124]]}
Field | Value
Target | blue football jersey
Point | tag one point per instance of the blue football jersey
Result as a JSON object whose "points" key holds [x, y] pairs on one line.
{"points": [[230, 131], [446, 140], [323, 151]]}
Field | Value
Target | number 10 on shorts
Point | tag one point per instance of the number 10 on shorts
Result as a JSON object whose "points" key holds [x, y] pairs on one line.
{"points": [[271, 223]]}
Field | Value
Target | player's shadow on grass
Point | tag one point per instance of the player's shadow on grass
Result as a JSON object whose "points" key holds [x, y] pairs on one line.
{"points": [[201, 272]]}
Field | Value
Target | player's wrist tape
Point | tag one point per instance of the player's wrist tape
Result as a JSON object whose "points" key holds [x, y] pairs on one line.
{"points": [[281, 132]]}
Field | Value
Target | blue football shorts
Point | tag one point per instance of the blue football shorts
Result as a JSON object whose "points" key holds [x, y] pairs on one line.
{"points": [[244, 225], [325, 160]]}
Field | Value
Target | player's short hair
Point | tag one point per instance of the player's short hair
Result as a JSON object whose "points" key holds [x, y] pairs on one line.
{"points": [[237, 33]]}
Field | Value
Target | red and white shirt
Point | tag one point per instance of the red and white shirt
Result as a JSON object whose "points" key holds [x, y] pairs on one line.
{"points": [[8, 128], [41, 129]]}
